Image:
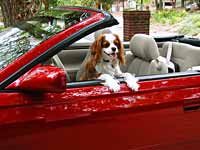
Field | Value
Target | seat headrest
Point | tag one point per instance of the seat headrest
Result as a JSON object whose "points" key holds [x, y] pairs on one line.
{"points": [[144, 46], [102, 31]]}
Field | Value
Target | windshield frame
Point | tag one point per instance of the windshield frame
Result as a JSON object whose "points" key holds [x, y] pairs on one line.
{"points": [[97, 20]]}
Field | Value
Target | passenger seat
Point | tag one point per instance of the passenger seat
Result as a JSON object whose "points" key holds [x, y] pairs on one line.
{"points": [[144, 58]]}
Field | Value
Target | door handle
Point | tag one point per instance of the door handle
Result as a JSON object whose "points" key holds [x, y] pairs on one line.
{"points": [[192, 105]]}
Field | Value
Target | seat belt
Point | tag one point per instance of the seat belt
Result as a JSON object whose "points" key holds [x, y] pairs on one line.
{"points": [[166, 60], [169, 52]]}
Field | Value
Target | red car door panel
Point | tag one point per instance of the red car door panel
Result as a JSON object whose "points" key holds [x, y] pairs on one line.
{"points": [[94, 118]]}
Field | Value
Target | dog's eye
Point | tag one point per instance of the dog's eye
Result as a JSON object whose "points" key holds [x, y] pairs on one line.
{"points": [[117, 43], [105, 44]]}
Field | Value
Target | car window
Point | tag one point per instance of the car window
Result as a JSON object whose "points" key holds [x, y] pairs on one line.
{"points": [[16, 40], [184, 57]]}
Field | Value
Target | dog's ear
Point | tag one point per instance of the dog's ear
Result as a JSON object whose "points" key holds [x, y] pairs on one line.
{"points": [[120, 46], [94, 58], [96, 49]]}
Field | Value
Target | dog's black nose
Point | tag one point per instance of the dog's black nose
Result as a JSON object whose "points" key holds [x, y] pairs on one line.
{"points": [[113, 49]]}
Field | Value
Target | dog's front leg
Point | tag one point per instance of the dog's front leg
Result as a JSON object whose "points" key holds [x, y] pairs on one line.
{"points": [[131, 81], [110, 82]]}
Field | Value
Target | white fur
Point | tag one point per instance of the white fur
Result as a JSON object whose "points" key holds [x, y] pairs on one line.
{"points": [[109, 75], [131, 81], [110, 82], [110, 38], [110, 69]]}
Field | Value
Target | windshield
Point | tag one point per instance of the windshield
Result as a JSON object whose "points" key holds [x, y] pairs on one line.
{"points": [[17, 40]]}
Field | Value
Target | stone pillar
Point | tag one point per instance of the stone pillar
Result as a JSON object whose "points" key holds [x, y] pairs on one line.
{"points": [[135, 21]]}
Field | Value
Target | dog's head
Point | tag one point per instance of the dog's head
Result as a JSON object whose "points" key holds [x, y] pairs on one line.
{"points": [[109, 47]]}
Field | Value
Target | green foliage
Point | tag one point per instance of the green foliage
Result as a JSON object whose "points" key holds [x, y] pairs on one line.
{"points": [[168, 16], [2, 28], [184, 22], [88, 3], [53, 2], [54, 13], [144, 1], [190, 25]]}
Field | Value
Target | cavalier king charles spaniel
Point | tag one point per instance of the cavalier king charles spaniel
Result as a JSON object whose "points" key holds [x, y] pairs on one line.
{"points": [[107, 53]]}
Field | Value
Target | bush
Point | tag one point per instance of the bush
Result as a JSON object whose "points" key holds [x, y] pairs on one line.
{"points": [[168, 16], [88, 3], [190, 25]]}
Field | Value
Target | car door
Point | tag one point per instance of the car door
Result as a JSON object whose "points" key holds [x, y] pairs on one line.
{"points": [[163, 114]]}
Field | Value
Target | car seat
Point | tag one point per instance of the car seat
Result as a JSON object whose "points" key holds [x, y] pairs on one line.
{"points": [[184, 55], [145, 57]]}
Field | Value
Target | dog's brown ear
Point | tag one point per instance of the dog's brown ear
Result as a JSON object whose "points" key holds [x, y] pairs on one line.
{"points": [[120, 46], [90, 71], [96, 49]]}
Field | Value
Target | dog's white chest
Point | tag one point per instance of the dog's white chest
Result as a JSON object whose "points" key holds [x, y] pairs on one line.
{"points": [[105, 68]]}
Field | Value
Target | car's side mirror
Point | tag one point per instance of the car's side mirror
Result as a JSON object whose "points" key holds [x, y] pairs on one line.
{"points": [[41, 79]]}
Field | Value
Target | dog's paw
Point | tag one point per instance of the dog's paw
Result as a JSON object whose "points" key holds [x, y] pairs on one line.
{"points": [[134, 86], [131, 81], [113, 85], [110, 82]]}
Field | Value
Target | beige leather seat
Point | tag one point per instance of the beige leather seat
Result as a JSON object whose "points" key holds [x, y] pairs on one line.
{"points": [[144, 57], [184, 55]]}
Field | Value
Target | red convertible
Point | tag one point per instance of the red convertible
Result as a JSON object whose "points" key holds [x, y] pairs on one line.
{"points": [[43, 106]]}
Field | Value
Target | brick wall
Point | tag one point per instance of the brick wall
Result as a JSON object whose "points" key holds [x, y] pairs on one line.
{"points": [[135, 22]]}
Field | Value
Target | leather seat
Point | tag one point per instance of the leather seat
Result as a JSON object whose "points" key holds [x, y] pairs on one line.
{"points": [[144, 58], [184, 55]]}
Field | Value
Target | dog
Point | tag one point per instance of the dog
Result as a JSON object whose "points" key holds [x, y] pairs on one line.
{"points": [[107, 53]]}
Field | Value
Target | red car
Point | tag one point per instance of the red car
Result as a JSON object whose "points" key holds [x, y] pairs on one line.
{"points": [[42, 108]]}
